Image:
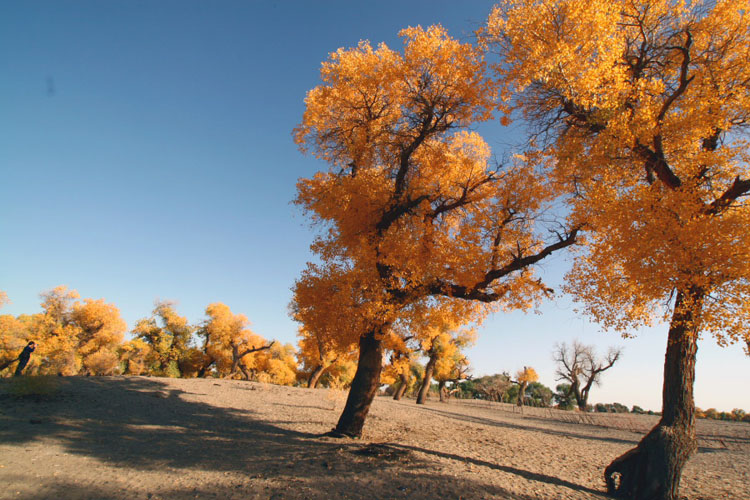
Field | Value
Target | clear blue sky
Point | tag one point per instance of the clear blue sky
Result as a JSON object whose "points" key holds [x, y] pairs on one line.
{"points": [[146, 153]]}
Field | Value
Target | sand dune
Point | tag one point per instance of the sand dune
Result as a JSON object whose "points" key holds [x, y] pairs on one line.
{"points": [[153, 438]]}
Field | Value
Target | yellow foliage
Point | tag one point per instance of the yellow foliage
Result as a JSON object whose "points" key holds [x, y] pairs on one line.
{"points": [[168, 336], [134, 355], [418, 219], [100, 332], [276, 365], [527, 375], [227, 335], [13, 338], [103, 362], [645, 105]]}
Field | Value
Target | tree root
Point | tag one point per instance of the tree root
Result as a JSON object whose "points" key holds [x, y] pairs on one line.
{"points": [[651, 470]]}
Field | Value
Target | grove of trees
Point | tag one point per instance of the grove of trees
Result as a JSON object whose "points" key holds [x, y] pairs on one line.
{"points": [[635, 159], [415, 214], [641, 108], [88, 338], [635, 112]]}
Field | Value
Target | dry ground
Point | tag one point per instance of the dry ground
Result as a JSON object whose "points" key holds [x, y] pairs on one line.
{"points": [[152, 438]]}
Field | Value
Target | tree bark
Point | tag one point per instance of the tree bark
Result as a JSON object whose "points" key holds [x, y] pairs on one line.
{"points": [[652, 470], [441, 390], [364, 386], [425, 388], [402, 387], [312, 382]]}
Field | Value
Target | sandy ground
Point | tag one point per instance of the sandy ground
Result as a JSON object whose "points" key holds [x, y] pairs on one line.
{"points": [[152, 438]]}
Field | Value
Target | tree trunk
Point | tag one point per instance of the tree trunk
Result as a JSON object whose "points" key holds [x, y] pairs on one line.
{"points": [[235, 361], [428, 370], [441, 390], [312, 382], [652, 470], [401, 388], [580, 400], [364, 386], [204, 368], [583, 397], [521, 393]]}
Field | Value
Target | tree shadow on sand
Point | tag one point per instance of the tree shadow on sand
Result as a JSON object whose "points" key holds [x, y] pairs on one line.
{"points": [[144, 424], [528, 427], [712, 443]]}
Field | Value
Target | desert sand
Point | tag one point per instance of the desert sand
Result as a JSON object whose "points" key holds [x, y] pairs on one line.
{"points": [[154, 438]]}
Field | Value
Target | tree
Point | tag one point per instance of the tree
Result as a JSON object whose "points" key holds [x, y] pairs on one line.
{"points": [[399, 369], [442, 349], [227, 341], [168, 335], [101, 331], [411, 203], [564, 397], [55, 333], [325, 305], [14, 336], [72, 337], [276, 364], [579, 366], [641, 106], [523, 379], [453, 368], [134, 356], [317, 360], [493, 387]]}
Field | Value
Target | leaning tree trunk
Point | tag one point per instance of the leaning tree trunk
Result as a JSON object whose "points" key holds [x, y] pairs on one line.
{"points": [[428, 371], [652, 470], [312, 382], [521, 393], [204, 369], [402, 387], [583, 396], [363, 388], [441, 390]]}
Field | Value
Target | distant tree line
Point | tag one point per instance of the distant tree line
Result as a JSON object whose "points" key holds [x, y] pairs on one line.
{"points": [[87, 337]]}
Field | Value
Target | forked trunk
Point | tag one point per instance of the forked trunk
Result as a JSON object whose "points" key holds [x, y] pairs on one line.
{"points": [[402, 387], [246, 375], [652, 470], [364, 386], [312, 382], [521, 393], [425, 388]]}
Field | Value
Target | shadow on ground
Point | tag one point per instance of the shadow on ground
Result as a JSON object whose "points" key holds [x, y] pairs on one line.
{"points": [[523, 425], [141, 424]]}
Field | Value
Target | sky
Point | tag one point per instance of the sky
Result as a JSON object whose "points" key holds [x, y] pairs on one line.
{"points": [[146, 154]]}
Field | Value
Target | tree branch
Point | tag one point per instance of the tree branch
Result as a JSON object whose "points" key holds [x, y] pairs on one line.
{"points": [[738, 188], [478, 291]]}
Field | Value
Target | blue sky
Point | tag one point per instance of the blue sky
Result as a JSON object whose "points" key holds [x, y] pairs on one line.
{"points": [[146, 153]]}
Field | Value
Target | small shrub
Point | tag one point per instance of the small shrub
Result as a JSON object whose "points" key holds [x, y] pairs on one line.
{"points": [[172, 370], [102, 363]]}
